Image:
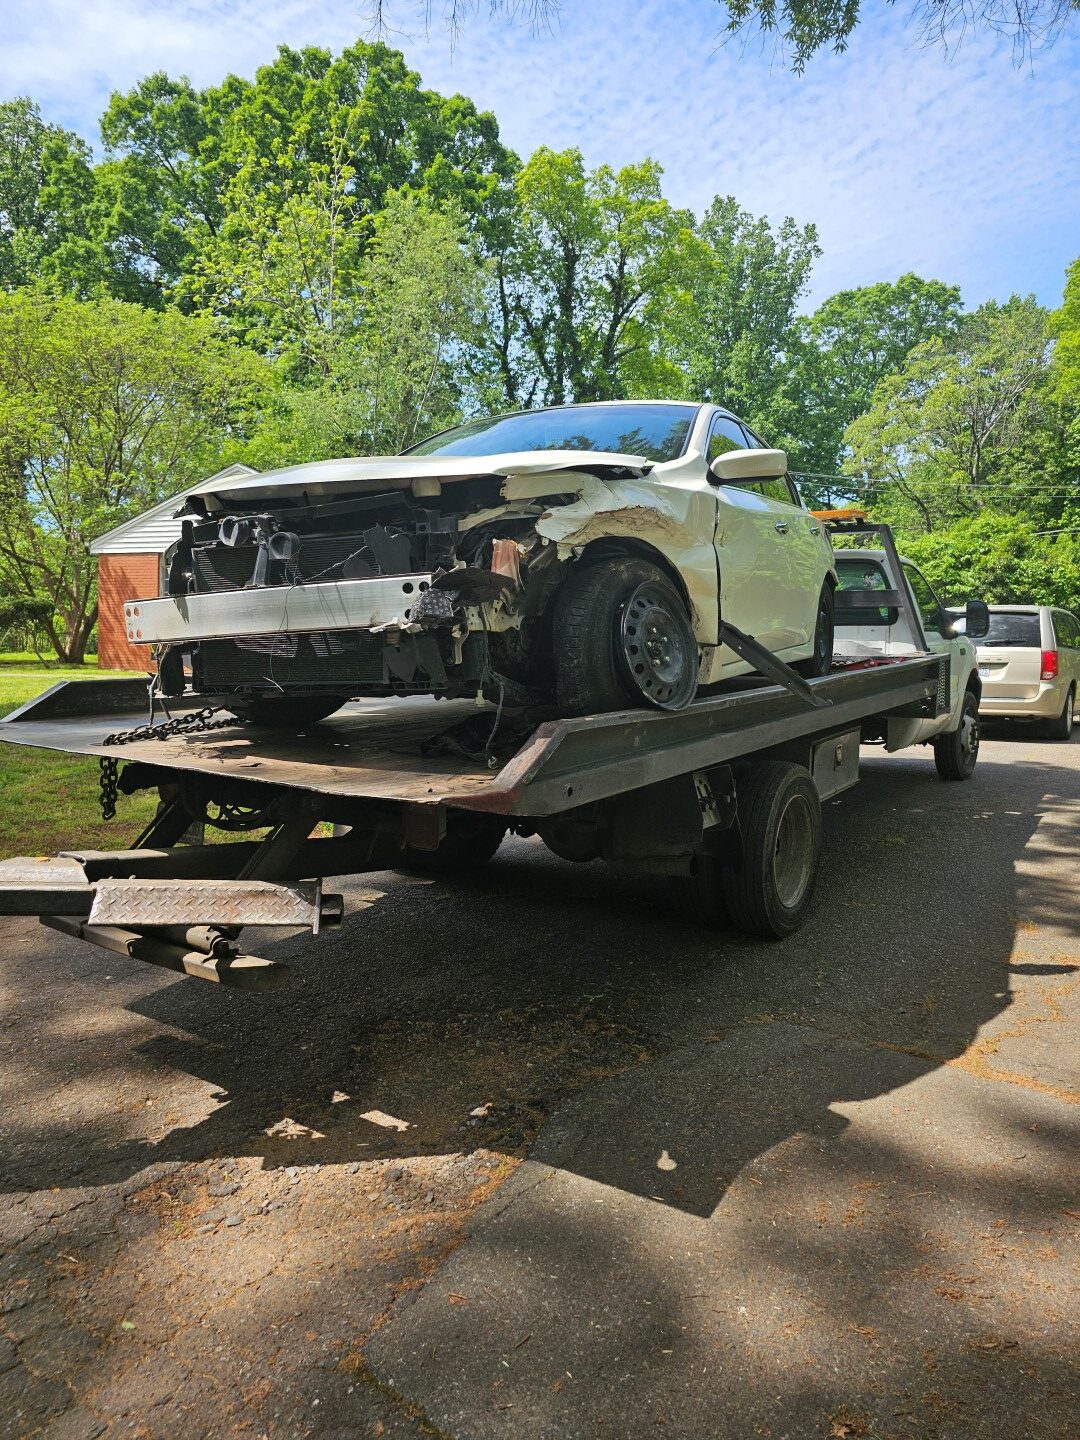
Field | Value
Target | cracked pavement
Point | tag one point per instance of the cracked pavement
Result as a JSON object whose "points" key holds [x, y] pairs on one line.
{"points": [[528, 1156]]}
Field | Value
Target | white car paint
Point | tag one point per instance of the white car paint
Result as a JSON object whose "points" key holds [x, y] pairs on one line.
{"points": [[756, 561]]}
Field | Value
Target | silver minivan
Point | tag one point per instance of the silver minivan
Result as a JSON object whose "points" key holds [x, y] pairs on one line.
{"points": [[1029, 663]]}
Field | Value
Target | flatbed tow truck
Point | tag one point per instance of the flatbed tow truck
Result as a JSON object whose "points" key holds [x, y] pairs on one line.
{"points": [[723, 796]]}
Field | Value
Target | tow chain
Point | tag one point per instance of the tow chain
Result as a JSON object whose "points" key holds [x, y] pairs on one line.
{"points": [[195, 724]]}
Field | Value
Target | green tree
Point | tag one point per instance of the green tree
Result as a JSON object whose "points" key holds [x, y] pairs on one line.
{"points": [[730, 326], [943, 436], [396, 373], [842, 352], [801, 28], [47, 203], [576, 293], [105, 408], [1065, 366], [1001, 559], [180, 158]]}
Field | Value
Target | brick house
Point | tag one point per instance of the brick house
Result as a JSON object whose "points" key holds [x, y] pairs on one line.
{"points": [[129, 568]]}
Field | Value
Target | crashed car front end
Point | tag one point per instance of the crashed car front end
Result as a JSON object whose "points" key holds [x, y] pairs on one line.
{"points": [[401, 578]]}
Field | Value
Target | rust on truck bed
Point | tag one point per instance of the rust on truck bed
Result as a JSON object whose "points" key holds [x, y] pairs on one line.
{"points": [[379, 749]]}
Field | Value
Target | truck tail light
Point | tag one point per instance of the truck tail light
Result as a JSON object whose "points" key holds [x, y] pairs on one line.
{"points": [[1049, 665]]}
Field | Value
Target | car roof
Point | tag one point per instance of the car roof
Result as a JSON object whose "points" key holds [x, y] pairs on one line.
{"points": [[1019, 609]]}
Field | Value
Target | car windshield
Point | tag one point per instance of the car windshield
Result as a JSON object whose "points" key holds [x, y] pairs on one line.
{"points": [[657, 432], [1012, 629]]}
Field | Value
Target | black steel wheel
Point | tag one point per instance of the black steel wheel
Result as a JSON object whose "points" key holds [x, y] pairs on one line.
{"points": [[287, 712], [956, 751], [657, 647], [820, 662], [622, 638]]}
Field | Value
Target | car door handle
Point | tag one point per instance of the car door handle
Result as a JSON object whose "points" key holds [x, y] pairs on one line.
{"points": [[781, 527], [815, 529]]}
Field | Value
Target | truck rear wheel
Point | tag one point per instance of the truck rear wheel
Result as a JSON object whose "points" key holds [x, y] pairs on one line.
{"points": [[956, 751], [770, 893]]}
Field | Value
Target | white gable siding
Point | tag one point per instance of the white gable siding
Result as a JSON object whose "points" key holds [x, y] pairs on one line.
{"points": [[154, 531]]}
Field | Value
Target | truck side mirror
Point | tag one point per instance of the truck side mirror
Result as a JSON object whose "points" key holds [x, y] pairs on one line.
{"points": [[977, 619], [736, 465]]}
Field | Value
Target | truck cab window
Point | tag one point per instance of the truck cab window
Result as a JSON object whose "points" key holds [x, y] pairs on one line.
{"points": [[926, 602]]}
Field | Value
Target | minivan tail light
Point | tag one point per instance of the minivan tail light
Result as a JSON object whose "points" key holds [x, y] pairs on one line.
{"points": [[1049, 665]]}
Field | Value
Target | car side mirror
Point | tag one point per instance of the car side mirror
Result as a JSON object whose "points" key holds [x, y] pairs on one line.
{"points": [[736, 465], [976, 619]]}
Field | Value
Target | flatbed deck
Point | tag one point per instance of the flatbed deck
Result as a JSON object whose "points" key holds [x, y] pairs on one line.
{"points": [[372, 750]]}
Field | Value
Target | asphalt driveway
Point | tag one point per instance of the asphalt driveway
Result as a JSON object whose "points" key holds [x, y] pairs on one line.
{"points": [[530, 1157]]}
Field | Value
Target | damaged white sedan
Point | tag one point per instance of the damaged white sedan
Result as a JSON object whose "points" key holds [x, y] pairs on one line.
{"points": [[580, 556]]}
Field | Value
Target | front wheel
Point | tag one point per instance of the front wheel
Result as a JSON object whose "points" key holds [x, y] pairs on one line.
{"points": [[956, 751], [622, 638]]}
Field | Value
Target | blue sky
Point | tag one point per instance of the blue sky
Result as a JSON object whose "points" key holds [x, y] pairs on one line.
{"points": [[963, 168]]}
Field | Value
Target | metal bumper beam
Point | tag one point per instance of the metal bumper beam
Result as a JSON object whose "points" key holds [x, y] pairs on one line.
{"points": [[275, 610]]}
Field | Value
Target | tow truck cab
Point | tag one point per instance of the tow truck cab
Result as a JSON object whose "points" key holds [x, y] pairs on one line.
{"points": [[886, 606]]}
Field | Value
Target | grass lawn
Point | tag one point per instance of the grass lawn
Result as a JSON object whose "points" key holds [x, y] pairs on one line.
{"points": [[50, 801]]}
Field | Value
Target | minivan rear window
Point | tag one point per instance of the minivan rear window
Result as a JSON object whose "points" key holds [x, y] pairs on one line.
{"points": [[1006, 629]]}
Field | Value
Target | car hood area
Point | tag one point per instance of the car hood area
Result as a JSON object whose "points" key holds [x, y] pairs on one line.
{"points": [[398, 472]]}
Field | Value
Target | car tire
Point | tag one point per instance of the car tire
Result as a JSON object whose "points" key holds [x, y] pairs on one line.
{"points": [[287, 712], [470, 842], [603, 660], [770, 893], [956, 752], [820, 662], [1061, 727]]}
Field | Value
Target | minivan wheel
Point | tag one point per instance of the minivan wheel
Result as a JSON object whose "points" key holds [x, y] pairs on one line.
{"points": [[1061, 728], [956, 751]]}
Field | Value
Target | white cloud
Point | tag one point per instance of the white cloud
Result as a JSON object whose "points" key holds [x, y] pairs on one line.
{"points": [[962, 168]]}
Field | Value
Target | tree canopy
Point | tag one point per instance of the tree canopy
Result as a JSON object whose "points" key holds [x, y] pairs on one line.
{"points": [[329, 258]]}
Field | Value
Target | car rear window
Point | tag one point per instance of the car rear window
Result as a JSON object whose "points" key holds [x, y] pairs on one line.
{"points": [[1012, 629]]}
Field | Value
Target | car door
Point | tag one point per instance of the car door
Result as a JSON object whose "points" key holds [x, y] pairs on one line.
{"points": [[766, 574]]}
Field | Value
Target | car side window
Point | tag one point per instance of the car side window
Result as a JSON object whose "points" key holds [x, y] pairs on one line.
{"points": [[726, 434], [926, 602]]}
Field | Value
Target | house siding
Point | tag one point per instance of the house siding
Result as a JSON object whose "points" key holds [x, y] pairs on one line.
{"points": [[123, 577]]}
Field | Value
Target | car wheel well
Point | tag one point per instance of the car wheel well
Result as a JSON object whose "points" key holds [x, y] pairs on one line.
{"points": [[607, 549]]}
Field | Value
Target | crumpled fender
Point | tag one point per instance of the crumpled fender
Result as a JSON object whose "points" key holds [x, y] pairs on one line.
{"points": [[678, 523]]}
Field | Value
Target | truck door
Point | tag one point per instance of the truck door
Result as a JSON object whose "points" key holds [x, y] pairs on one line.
{"points": [[935, 626]]}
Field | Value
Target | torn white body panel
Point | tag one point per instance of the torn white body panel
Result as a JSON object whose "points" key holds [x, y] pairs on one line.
{"points": [[677, 522]]}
